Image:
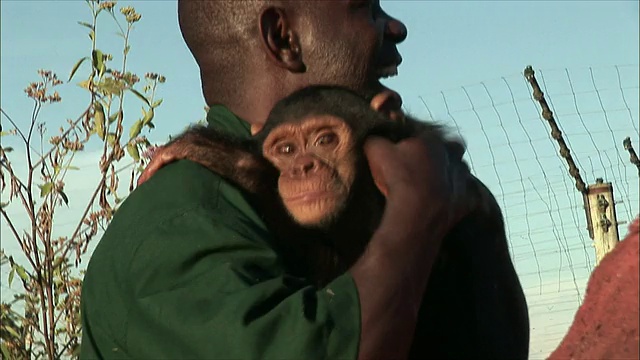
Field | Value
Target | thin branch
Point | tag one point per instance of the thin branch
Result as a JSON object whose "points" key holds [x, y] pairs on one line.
{"points": [[74, 124], [15, 233], [24, 138], [84, 214]]}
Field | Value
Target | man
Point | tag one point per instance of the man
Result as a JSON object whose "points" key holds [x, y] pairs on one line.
{"points": [[185, 269]]}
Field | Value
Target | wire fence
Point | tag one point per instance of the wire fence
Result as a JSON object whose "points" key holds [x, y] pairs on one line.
{"points": [[510, 149]]}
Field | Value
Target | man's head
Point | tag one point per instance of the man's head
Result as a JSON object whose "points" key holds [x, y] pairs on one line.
{"points": [[253, 53]]}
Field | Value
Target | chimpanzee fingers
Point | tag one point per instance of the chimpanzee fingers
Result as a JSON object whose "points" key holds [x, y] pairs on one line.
{"points": [[162, 157], [377, 151]]}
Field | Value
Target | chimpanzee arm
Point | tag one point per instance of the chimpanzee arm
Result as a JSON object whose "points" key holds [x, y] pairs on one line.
{"points": [[238, 161]]}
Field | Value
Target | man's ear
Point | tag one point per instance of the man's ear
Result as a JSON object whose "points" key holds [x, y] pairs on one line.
{"points": [[280, 40]]}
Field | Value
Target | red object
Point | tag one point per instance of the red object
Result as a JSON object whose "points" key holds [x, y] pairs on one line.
{"points": [[606, 325]]}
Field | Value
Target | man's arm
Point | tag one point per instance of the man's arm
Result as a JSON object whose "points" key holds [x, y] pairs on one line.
{"points": [[200, 286], [226, 298], [201, 281], [425, 196]]}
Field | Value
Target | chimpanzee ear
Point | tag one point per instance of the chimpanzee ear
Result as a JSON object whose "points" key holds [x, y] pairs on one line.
{"points": [[280, 40]]}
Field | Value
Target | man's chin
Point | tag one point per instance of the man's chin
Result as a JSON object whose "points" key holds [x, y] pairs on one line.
{"points": [[375, 88]]}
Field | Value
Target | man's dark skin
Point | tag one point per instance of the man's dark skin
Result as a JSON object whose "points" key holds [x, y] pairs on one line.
{"points": [[348, 43], [251, 54]]}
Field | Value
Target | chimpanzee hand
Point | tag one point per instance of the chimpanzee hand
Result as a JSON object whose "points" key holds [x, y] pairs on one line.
{"points": [[162, 156]]}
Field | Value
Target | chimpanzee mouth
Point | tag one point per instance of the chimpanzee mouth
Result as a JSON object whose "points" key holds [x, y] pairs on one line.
{"points": [[308, 196]]}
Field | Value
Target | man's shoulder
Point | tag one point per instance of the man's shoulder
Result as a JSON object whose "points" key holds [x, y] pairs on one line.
{"points": [[179, 187], [177, 194]]}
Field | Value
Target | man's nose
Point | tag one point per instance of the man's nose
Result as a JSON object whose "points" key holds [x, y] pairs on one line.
{"points": [[396, 30]]}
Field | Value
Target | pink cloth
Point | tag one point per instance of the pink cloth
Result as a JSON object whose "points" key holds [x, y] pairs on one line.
{"points": [[606, 325]]}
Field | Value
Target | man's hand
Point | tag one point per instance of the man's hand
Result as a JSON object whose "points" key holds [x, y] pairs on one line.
{"points": [[425, 198], [421, 174]]}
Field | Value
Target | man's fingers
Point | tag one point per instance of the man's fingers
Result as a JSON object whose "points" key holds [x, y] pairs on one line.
{"points": [[378, 152], [389, 103]]}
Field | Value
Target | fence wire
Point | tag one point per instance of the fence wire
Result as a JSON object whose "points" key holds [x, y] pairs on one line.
{"points": [[511, 150]]}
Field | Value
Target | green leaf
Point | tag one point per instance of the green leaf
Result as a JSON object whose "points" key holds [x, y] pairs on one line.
{"points": [[135, 129], [21, 272], [132, 149], [114, 117], [98, 61], [64, 197], [85, 24], [156, 103], [3, 205], [56, 170], [72, 167], [85, 84], [5, 351], [148, 116], [111, 138], [5, 133], [142, 97], [45, 189], [8, 149], [75, 67], [13, 333], [11, 274], [99, 119]]}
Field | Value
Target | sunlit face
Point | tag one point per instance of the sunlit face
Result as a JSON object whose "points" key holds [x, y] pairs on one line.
{"points": [[351, 43], [317, 167]]}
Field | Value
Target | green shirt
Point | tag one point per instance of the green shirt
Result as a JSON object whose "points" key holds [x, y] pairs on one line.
{"points": [[186, 270]]}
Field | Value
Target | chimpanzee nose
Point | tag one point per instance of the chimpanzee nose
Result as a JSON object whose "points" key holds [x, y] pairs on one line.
{"points": [[304, 164], [307, 166]]}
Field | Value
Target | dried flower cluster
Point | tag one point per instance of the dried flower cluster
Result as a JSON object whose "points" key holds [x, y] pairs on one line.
{"points": [[38, 90], [107, 5], [153, 76], [130, 14], [128, 77]]}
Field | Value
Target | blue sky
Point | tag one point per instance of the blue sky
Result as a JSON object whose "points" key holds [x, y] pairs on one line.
{"points": [[464, 60]]}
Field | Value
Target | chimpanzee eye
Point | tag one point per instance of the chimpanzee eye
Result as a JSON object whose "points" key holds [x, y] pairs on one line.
{"points": [[286, 149], [326, 139]]}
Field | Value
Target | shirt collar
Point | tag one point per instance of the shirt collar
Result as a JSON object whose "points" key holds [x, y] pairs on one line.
{"points": [[221, 118]]}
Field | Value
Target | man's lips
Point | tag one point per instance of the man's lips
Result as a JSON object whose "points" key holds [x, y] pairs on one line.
{"points": [[388, 64], [387, 71]]}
